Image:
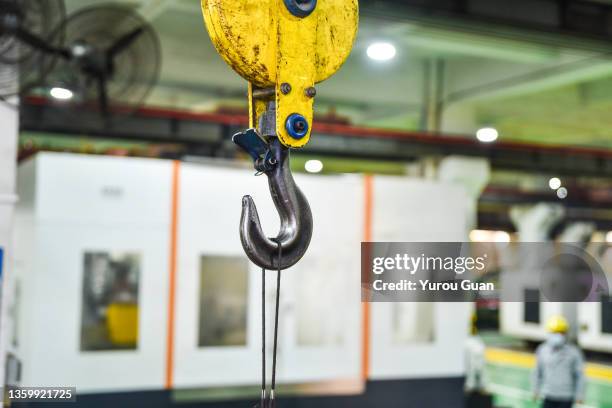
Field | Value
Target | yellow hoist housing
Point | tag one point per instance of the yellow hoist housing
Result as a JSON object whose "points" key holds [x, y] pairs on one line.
{"points": [[283, 48]]}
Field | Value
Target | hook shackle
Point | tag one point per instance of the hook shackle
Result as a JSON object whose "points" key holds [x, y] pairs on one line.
{"points": [[295, 216]]}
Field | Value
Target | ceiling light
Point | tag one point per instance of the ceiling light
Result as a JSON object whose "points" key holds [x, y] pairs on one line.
{"points": [[487, 135], [554, 183], [61, 93], [314, 166], [562, 193], [382, 51], [489, 236]]}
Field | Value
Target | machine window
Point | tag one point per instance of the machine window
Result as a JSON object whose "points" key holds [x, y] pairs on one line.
{"points": [[606, 314], [223, 301], [109, 318], [531, 312], [413, 323]]}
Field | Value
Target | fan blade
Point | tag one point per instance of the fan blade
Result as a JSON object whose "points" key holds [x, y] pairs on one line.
{"points": [[40, 44], [125, 41], [102, 95]]}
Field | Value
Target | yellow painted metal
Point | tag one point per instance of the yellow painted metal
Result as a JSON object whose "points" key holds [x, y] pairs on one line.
{"points": [[256, 107], [268, 46]]}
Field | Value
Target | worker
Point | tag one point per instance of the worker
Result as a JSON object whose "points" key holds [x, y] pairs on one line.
{"points": [[475, 360], [558, 378], [476, 395]]}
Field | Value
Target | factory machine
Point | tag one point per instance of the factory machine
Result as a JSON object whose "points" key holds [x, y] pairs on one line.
{"points": [[91, 265], [320, 321], [420, 339], [595, 318], [527, 319], [130, 277]]}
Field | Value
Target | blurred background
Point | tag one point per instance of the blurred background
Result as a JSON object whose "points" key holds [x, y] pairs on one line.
{"points": [[451, 121]]}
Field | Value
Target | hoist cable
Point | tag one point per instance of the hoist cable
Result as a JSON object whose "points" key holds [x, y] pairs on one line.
{"points": [[263, 338], [278, 289], [264, 402]]}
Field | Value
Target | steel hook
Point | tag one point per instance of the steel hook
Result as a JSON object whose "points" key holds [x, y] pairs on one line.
{"points": [[292, 206]]}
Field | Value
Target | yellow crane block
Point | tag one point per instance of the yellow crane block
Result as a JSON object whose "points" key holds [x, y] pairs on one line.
{"points": [[284, 47]]}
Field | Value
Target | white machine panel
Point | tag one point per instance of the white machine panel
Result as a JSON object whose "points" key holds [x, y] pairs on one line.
{"points": [[521, 319], [323, 306], [595, 319], [592, 335], [210, 245], [418, 340], [87, 213], [9, 131], [210, 202], [102, 189]]}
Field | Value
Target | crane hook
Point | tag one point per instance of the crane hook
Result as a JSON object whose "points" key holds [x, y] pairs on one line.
{"points": [[272, 159]]}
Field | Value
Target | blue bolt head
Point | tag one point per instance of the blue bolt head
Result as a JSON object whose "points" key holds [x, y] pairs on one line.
{"points": [[297, 126], [301, 8]]}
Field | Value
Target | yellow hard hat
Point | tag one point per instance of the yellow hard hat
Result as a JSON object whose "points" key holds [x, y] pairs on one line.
{"points": [[557, 324]]}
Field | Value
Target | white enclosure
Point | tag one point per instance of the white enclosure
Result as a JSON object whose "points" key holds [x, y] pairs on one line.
{"points": [[594, 334], [595, 318], [527, 320], [320, 309], [74, 205], [9, 129], [418, 340]]}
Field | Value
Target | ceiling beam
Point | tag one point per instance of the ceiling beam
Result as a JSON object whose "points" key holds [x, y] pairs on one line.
{"points": [[539, 80], [214, 132]]}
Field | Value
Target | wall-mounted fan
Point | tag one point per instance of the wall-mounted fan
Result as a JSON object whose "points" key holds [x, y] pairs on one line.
{"points": [[30, 38], [105, 58], [113, 59]]}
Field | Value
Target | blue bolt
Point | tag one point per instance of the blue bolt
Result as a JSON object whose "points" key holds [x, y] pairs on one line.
{"points": [[301, 8], [297, 126]]}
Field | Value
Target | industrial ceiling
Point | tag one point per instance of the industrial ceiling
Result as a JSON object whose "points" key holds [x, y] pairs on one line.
{"points": [[543, 87]]}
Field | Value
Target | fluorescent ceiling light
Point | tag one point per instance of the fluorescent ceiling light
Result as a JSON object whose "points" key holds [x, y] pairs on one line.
{"points": [[382, 51], [487, 135], [314, 166], [61, 93]]}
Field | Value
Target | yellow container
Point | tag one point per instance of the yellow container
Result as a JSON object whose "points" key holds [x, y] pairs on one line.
{"points": [[122, 324]]}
